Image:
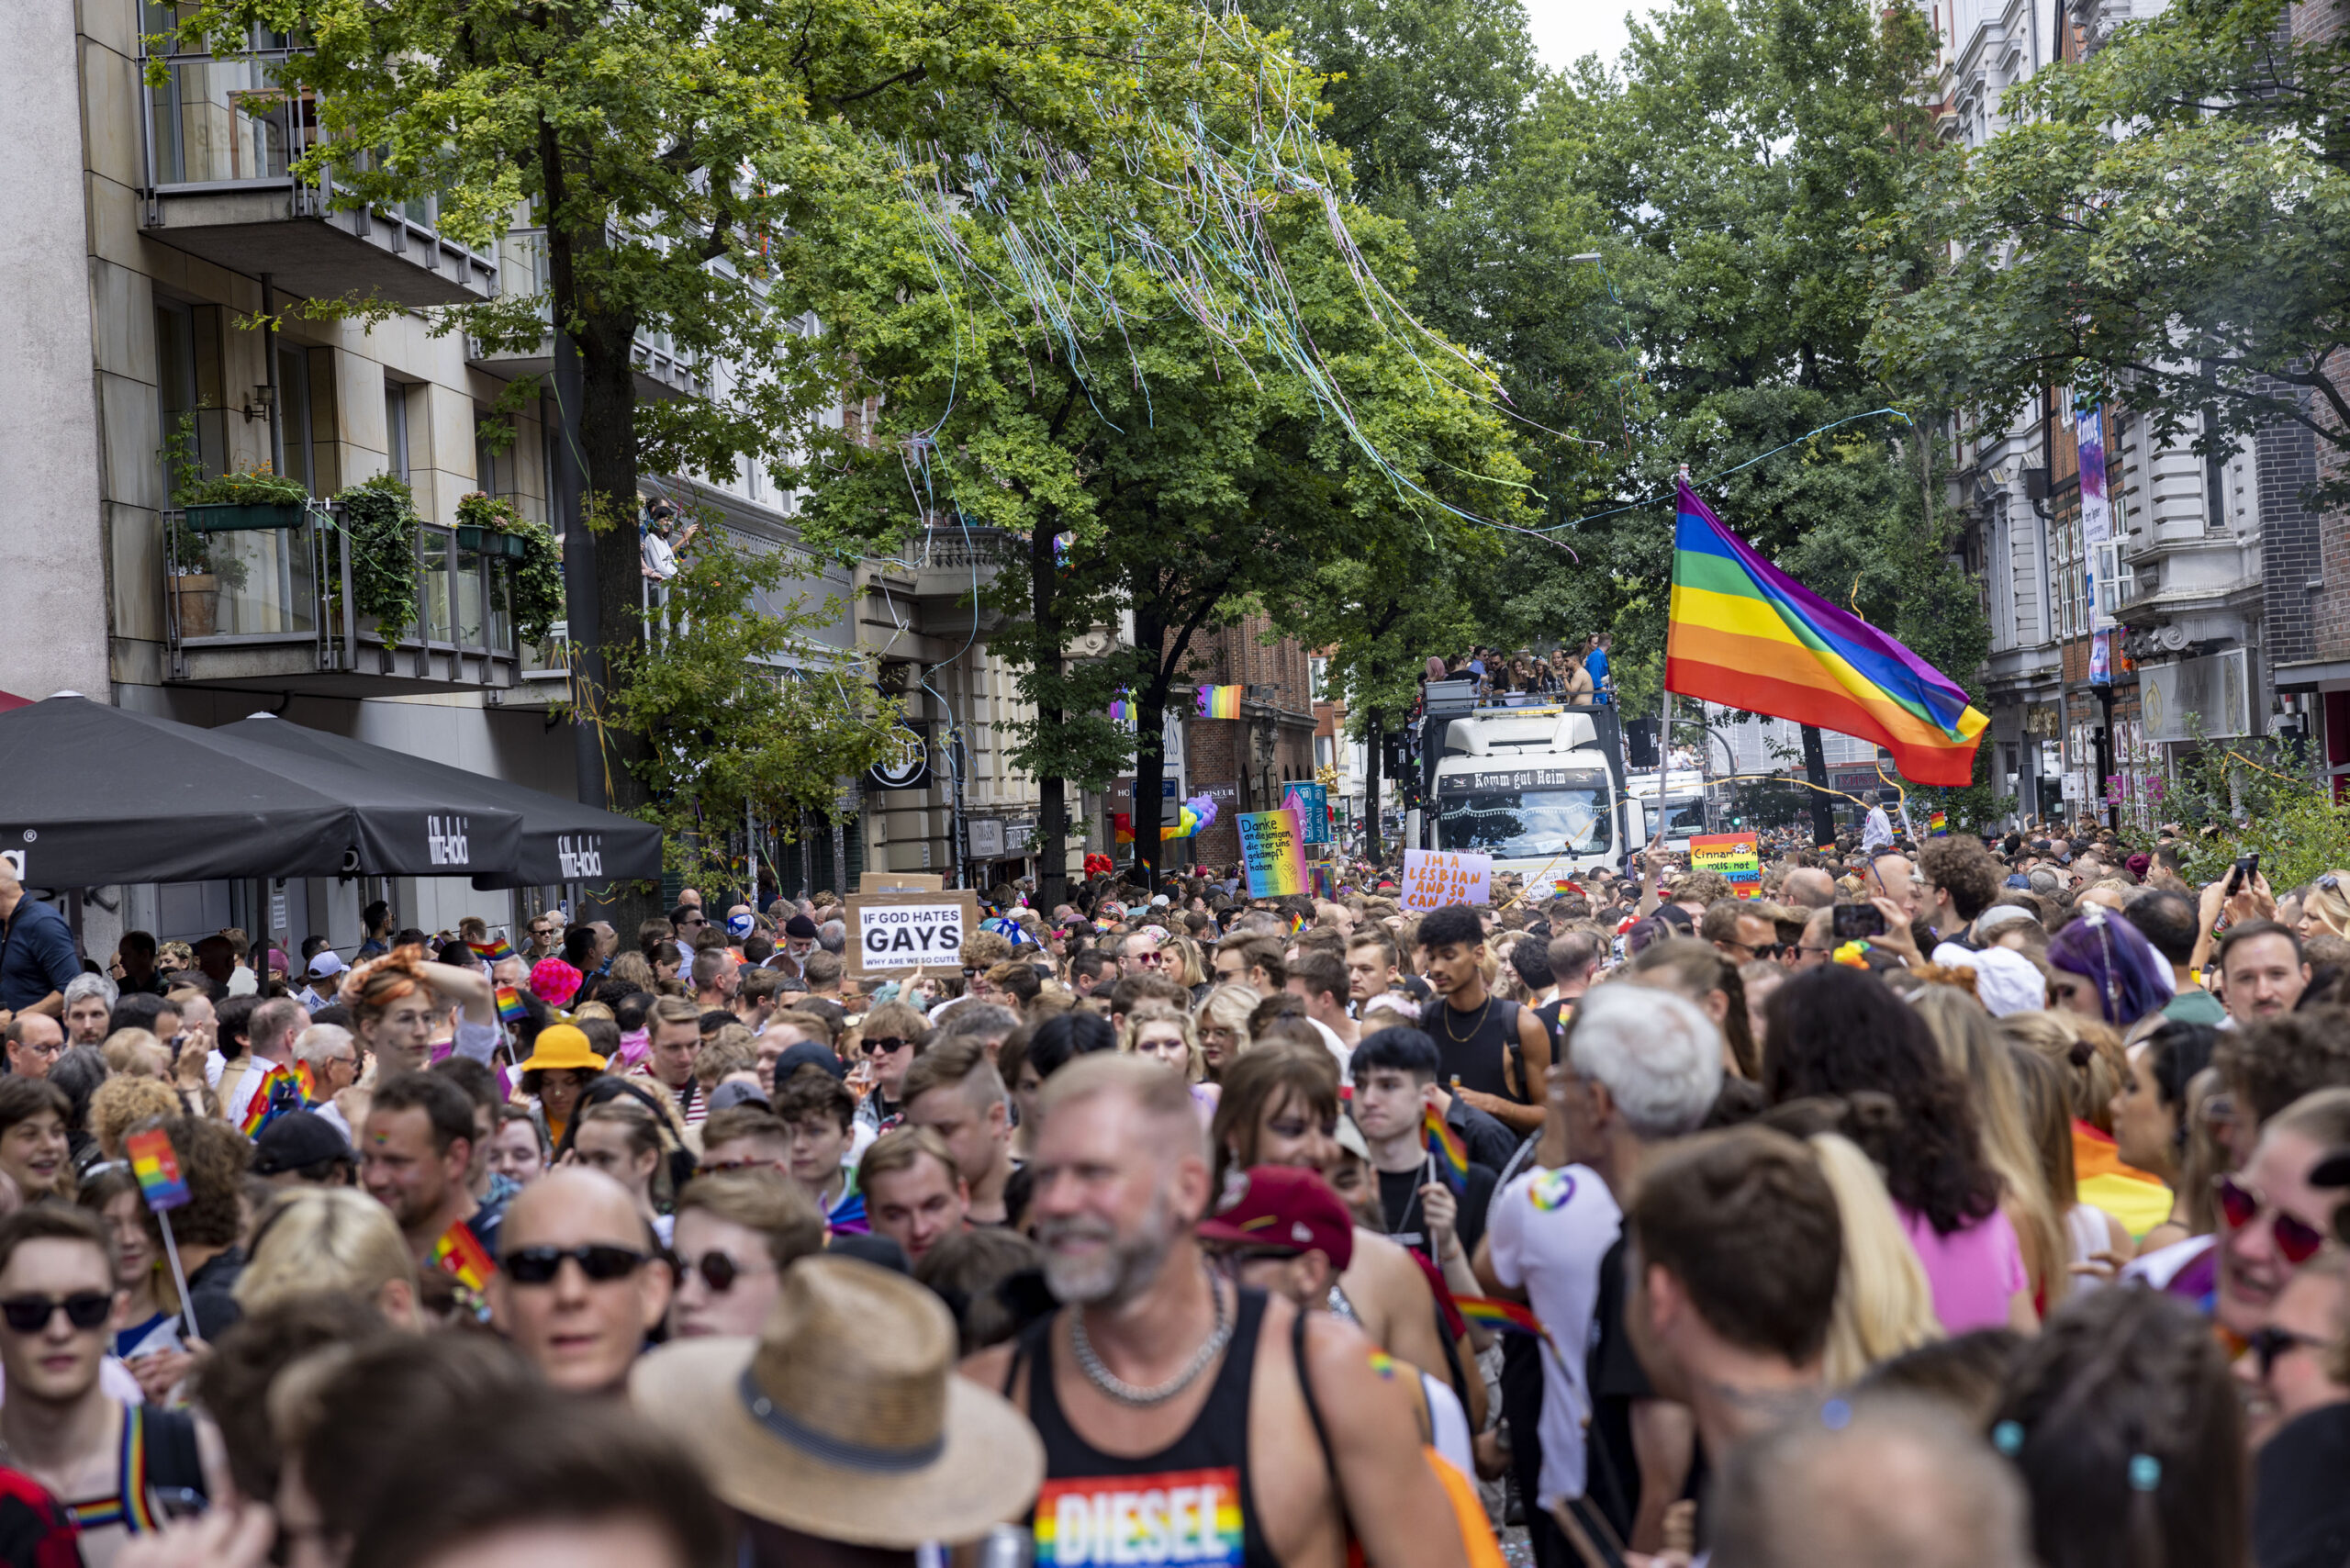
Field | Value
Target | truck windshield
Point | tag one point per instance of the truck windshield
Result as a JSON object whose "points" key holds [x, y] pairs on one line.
{"points": [[1683, 816], [1518, 825]]}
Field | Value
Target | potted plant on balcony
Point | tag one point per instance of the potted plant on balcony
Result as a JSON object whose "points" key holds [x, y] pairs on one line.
{"points": [[198, 570], [491, 525], [380, 522], [535, 595], [247, 499]]}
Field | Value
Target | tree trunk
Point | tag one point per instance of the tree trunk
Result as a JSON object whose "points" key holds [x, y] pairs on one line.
{"points": [[1151, 748], [1815, 768], [1052, 820], [1374, 734]]}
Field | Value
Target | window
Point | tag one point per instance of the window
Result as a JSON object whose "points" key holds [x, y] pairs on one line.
{"points": [[396, 456], [492, 468], [2067, 570], [1326, 749], [1317, 674], [293, 415]]}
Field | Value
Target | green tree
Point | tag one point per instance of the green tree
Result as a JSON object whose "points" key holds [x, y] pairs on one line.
{"points": [[1169, 388], [668, 150], [753, 715], [2164, 227]]}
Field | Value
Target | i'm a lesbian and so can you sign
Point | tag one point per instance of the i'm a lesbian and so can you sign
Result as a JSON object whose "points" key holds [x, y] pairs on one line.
{"points": [[1435, 877]]}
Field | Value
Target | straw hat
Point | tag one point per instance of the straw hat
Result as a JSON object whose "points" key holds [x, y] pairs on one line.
{"points": [[562, 1046], [845, 1419]]}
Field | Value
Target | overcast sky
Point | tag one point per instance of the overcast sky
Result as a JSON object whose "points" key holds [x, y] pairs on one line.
{"points": [[1566, 30]]}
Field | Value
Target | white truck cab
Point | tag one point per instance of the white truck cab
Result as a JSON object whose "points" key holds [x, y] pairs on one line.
{"points": [[1533, 787]]}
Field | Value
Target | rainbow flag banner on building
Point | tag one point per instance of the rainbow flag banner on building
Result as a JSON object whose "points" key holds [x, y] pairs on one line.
{"points": [[460, 1254], [1745, 634], [1220, 702]]}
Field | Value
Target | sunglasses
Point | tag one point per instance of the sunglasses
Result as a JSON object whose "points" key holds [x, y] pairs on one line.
{"points": [[717, 1270], [2240, 1205], [31, 1314], [697, 920], [885, 1044], [601, 1262], [2270, 1344]]}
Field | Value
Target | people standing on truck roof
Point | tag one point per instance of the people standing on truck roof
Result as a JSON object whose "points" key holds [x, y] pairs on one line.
{"points": [[1596, 664]]}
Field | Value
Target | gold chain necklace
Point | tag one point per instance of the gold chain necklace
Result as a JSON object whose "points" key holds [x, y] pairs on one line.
{"points": [[1464, 1039]]}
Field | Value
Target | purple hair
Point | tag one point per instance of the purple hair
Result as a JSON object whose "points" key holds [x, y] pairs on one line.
{"points": [[2131, 980]]}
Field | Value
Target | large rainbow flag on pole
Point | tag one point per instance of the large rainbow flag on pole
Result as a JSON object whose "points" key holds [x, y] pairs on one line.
{"points": [[1745, 634]]}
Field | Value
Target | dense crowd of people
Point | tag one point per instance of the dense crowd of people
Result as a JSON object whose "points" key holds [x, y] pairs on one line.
{"points": [[1958, 1202]]}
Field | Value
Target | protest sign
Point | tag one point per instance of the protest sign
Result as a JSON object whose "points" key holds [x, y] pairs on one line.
{"points": [[1735, 855], [1312, 804], [1434, 877], [1273, 846], [898, 936]]}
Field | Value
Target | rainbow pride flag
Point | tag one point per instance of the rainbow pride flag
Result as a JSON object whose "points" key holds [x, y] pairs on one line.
{"points": [[1220, 702], [491, 951], [1451, 1155], [157, 1167], [847, 1216], [277, 1092], [1506, 1315], [509, 1004], [460, 1254], [1938, 826], [1745, 634], [306, 1078]]}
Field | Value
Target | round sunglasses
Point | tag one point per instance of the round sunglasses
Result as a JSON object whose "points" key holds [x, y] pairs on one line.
{"points": [[717, 1270]]}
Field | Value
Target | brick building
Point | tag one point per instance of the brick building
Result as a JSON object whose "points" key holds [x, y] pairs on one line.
{"points": [[1244, 763]]}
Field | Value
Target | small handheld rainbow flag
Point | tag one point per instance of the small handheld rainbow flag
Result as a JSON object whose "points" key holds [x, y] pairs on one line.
{"points": [[157, 1170], [847, 1216], [509, 1004], [1506, 1315], [460, 1254], [1445, 1147], [1220, 702], [1938, 826], [277, 1092], [491, 951], [306, 1078]]}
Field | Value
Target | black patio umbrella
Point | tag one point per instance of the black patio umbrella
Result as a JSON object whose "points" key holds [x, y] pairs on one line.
{"points": [[90, 794], [563, 841]]}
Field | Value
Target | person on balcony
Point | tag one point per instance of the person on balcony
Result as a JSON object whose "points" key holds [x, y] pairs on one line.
{"points": [[660, 556]]}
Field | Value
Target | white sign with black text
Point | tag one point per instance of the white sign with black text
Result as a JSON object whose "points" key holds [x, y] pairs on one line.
{"points": [[896, 935]]}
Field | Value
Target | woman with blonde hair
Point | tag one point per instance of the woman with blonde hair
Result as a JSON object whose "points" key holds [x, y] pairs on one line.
{"points": [[1223, 1028], [2099, 1243], [1973, 1051], [1188, 969], [1165, 1031], [2325, 906], [332, 1239], [1883, 1305]]}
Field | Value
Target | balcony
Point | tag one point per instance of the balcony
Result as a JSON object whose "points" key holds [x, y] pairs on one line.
{"points": [[948, 561], [661, 371], [221, 140], [272, 608]]}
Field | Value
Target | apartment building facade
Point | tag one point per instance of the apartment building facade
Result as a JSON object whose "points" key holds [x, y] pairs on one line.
{"points": [[161, 255], [2142, 599]]}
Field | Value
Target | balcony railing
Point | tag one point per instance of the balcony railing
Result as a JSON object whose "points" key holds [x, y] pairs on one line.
{"points": [[276, 606], [222, 137], [661, 370]]}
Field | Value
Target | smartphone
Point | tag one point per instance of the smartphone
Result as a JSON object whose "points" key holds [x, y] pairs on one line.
{"points": [[2247, 867], [1857, 920]]}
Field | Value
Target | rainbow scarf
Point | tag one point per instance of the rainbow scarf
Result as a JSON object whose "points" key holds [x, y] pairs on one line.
{"points": [[278, 1091], [460, 1254], [1220, 702], [1744, 634], [1451, 1157]]}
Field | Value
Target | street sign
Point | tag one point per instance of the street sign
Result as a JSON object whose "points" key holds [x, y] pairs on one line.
{"points": [[899, 936]]}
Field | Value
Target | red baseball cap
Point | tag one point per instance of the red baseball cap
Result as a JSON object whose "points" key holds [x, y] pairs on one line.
{"points": [[1285, 1208]]}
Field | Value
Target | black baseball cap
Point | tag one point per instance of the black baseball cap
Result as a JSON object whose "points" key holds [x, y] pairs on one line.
{"points": [[295, 1141]]}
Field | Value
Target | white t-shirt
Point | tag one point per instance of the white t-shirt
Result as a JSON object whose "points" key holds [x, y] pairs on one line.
{"points": [[659, 558], [1547, 1231], [256, 1073], [1448, 1427]]}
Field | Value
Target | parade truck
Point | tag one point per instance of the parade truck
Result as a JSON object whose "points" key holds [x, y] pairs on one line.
{"points": [[1539, 787]]}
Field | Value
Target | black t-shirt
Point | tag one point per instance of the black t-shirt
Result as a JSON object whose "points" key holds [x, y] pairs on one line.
{"points": [[1400, 1206], [2300, 1514], [1473, 1048], [1616, 1380]]}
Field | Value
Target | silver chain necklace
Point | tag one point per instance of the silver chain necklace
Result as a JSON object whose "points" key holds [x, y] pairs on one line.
{"points": [[1125, 1393]]}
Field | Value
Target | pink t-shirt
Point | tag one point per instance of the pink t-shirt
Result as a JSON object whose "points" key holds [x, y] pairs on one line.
{"points": [[1974, 1271]]}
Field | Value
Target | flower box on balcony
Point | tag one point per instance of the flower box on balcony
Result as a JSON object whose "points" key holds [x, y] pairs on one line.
{"points": [[230, 516], [491, 542]]}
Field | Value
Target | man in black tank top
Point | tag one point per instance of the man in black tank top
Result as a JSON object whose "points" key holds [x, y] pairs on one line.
{"points": [[1187, 1422], [1494, 1054]]}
